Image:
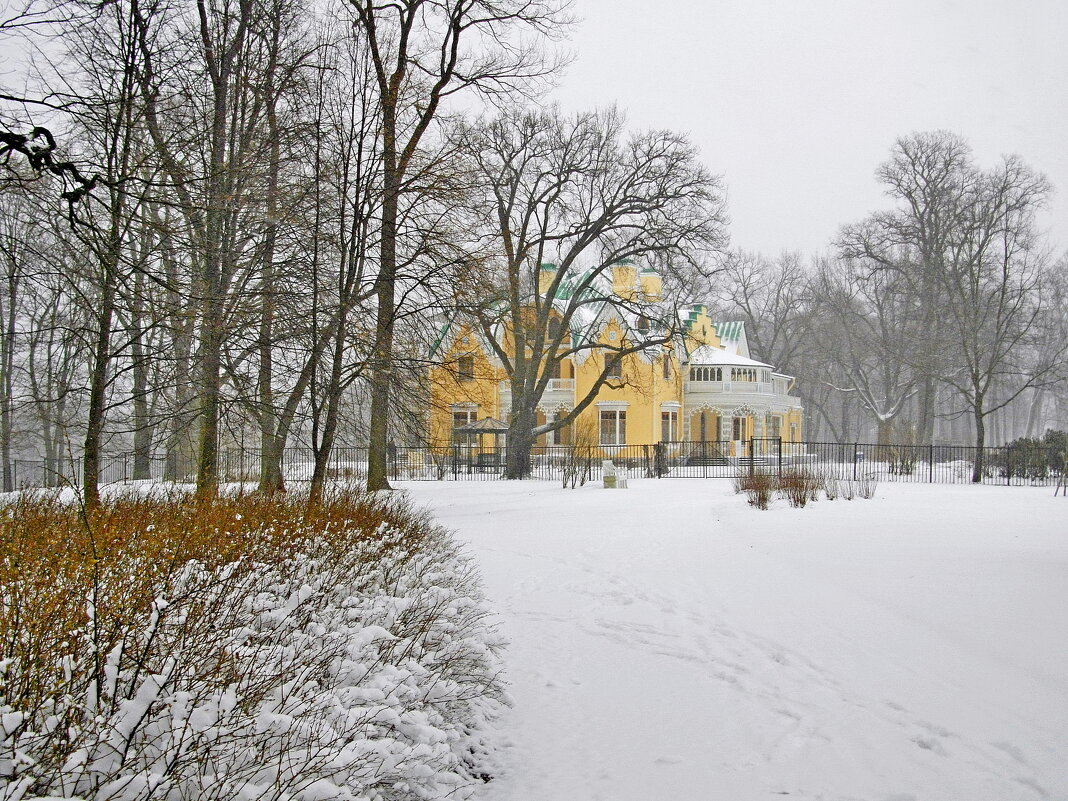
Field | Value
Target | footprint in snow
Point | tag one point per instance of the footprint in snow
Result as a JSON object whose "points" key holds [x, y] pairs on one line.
{"points": [[1012, 751], [669, 759], [930, 744]]}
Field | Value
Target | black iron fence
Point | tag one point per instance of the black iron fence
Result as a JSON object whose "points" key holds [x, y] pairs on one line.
{"points": [[933, 464], [941, 464]]}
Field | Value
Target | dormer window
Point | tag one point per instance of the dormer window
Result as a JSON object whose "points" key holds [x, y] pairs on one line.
{"points": [[554, 329], [614, 365], [465, 368]]}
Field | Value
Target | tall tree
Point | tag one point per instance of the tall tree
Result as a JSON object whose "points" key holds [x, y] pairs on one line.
{"points": [[584, 195], [423, 52], [996, 285], [109, 112], [867, 329], [926, 176]]}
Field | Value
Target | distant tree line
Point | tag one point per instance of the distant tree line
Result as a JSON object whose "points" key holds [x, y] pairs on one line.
{"points": [[241, 222], [943, 319]]}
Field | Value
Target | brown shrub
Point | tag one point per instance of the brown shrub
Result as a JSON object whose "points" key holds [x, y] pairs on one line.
{"points": [[831, 488], [66, 575], [758, 487], [289, 627], [798, 487]]}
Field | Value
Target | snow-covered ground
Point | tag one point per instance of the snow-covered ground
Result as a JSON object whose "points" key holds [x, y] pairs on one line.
{"points": [[669, 642]]}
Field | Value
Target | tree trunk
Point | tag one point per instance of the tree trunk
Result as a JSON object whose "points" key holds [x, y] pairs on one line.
{"points": [[333, 407], [216, 244], [980, 441], [381, 375], [928, 402], [7, 385], [521, 441], [142, 437], [1034, 413], [98, 381], [271, 479], [886, 432]]}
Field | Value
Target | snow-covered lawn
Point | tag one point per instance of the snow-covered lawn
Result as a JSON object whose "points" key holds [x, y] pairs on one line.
{"points": [[669, 642]]}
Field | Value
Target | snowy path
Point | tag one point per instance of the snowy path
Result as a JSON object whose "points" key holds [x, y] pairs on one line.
{"points": [[670, 643]]}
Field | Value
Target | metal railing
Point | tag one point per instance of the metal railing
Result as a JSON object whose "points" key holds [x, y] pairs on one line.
{"points": [[939, 464], [932, 464]]}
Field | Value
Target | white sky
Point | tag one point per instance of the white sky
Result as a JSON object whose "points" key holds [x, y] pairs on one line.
{"points": [[796, 102]]}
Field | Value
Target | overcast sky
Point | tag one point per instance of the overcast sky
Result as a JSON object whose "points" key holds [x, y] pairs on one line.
{"points": [[796, 102]]}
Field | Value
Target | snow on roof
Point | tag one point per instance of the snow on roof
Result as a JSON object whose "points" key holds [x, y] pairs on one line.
{"points": [[706, 354]]}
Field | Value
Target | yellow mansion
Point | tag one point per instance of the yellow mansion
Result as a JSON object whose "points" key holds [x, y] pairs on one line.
{"points": [[701, 386]]}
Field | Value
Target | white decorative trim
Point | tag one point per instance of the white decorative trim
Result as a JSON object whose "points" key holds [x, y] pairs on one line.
{"points": [[609, 405], [704, 407], [739, 411], [670, 405], [462, 407], [555, 407]]}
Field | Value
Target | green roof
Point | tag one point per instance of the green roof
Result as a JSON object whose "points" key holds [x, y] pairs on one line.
{"points": [[440, 337], [730, 331]]}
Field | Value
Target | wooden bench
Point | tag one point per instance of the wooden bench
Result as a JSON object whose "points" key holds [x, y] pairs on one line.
{"points": [[487, 462]]}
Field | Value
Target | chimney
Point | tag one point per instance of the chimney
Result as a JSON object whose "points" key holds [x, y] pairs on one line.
{"points": [[624, 279], [652, 285]]}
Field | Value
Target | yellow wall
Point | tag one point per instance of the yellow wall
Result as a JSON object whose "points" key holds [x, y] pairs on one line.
{"points": [[644, 387], [446, 390]]}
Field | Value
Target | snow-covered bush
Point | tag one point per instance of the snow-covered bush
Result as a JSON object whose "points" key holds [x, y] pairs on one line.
{"points": [[244, 648], [867, 484]]}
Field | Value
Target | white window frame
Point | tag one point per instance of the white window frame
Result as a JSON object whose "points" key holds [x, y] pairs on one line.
{"points": [[618, 419]]}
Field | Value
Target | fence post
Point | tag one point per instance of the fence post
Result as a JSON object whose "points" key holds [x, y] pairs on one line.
{"points": [[856, 448], [778, 441], [930, 463], [752, 456]]}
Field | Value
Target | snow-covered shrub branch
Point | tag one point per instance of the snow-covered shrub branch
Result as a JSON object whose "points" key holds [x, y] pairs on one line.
{"points": [[248, 648]]}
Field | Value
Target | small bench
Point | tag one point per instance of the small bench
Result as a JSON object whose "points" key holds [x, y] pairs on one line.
{"points": [[488, 462]]}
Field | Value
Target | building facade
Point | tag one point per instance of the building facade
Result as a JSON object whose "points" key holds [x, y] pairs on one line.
{"points": [[702, 386]]}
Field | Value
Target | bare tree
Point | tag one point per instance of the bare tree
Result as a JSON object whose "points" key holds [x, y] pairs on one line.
{"points": [[423, 52], [584, 195], [996, 285], [867, 330], [925, 175]]}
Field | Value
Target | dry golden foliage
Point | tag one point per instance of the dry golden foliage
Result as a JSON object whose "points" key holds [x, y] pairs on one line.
{"points": [[67, 575]]}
